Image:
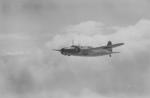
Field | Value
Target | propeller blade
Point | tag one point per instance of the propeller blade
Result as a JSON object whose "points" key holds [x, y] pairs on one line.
{"points": [[56, 50]]}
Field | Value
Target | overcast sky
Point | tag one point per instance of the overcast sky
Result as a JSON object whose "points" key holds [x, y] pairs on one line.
{"points": [[30, 29]]}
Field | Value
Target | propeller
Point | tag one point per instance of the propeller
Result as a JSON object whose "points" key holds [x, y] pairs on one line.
{"points": [[60, 50], [56, 49]]}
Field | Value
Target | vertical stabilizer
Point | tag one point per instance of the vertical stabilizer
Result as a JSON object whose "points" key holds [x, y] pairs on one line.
{"points": [[109, 47], [109, 43]]}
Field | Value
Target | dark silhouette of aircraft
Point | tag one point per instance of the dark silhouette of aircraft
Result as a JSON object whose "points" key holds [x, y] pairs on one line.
{"points": [[88, 51]]}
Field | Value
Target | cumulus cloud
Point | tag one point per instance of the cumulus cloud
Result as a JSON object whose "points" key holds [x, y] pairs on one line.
{"points": [[45, 73], [127, 70]]}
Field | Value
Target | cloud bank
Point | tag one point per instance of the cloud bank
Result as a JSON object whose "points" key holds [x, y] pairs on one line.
{"points": [[36, 71]]}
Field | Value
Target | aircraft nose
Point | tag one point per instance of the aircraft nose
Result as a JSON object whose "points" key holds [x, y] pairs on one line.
{"points": [[62, 50]]}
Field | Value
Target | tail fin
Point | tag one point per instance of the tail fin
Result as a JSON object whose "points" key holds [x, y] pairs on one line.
{"points": [[113, 53], [109, 44]]}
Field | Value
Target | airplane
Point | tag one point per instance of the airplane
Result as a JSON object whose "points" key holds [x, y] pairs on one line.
{"points": [[88, 51]]}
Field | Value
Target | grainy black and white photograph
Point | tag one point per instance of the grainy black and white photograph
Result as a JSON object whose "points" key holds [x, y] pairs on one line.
{"points": [[74, 49]]}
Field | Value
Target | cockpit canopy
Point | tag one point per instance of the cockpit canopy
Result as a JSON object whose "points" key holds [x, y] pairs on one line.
{"points": [[72, 49]]}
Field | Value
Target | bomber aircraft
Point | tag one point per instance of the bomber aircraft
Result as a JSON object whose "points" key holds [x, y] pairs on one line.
{"points": [[88, 51]]}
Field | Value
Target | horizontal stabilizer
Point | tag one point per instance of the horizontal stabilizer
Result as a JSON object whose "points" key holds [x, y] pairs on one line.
{"points": [[115, 52], [111, 46], [116, 45]]}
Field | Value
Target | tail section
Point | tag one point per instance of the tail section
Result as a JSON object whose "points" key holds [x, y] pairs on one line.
{"points": [[110, 46]]}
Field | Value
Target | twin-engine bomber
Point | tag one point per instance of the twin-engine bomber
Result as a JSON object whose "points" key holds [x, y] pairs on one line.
{"points": [[88, 51]]}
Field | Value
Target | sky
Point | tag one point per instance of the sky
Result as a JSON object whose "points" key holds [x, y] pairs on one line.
{"points": [[30, 29]]}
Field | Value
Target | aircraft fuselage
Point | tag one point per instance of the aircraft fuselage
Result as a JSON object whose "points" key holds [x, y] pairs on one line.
{"points": [[88, 52]]}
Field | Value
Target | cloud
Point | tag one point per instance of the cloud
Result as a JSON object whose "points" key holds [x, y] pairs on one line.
{"points": [[90, 32], [27, 6], [128, 69], [94, 33], [45, 73]]}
